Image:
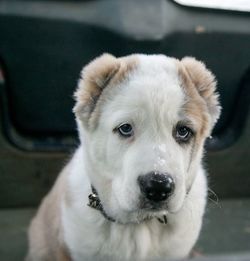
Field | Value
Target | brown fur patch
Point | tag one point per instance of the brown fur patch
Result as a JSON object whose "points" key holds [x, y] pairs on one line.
{"points": [[194, 105], [45, 233], [205, 83], [94, 77], [202, 104], [104, 71], [202, 101]]}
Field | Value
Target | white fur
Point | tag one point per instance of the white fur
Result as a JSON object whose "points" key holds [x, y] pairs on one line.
{"points": [[151, 99], [88, 234]]}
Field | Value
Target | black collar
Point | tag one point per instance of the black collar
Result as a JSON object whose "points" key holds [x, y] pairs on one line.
{"points": [[95, 202]]}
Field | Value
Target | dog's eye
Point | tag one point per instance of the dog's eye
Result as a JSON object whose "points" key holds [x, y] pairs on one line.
{"points": [[183, 133], [125, 130]]}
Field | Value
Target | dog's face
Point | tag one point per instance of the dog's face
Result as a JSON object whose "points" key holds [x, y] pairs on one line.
{"points": [[143, 121]]}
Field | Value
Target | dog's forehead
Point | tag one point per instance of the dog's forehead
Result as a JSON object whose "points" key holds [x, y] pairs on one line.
{"points": [[155, 64], [158, 74], [153, 86]]}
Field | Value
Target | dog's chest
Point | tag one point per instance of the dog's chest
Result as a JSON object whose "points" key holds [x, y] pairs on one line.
{"points": [[102, 239]]}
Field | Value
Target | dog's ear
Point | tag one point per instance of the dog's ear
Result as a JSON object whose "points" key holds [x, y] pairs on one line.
{"points": [[205, 83], [94, 78]]}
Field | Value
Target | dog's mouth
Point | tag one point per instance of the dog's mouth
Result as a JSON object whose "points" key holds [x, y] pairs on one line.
{"points": [[157, 210], [152, 206], [153, 211]]}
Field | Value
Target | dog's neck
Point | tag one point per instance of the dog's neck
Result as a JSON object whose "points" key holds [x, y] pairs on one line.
{"points": [[95, 202]]}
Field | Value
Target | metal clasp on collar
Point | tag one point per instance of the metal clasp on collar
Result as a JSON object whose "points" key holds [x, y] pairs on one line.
{"points": [[94, 201]]}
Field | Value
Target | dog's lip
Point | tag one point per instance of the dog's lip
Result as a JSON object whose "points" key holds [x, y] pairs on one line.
{"points": [[152, 206]]}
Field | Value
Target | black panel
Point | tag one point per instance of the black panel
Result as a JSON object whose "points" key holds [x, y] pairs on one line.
{"points": [[43, 58]]}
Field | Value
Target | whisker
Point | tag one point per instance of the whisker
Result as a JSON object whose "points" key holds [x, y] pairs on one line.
{"points": [[214, 195], [216, 203]]}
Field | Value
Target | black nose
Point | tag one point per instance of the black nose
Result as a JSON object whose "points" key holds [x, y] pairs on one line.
{"points": [[156, 186]]}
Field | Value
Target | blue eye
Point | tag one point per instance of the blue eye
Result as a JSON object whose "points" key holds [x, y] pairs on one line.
{"points": [[183, 133], [125, 130]]}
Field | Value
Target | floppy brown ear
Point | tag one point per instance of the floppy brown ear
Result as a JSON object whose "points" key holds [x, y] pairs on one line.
{"points": [[94, 78], [205, 83]]}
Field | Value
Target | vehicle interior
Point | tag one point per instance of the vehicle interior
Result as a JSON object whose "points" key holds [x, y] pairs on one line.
{"points": [[43, 46]]}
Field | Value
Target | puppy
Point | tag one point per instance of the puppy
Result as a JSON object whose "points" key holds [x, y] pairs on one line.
{"points": [[135, 188]]}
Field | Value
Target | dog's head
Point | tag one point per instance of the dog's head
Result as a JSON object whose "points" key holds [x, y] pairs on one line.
{"points": [[143, 121]]}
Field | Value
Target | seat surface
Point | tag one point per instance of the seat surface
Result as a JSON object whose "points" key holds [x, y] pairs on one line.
{"points": [[226, 230]]}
